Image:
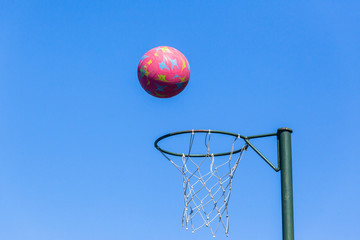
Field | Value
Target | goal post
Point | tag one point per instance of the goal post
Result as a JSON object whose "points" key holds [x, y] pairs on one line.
{"points": [[284, 154], [207, 178]]}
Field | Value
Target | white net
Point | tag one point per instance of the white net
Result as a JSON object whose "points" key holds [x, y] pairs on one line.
{"points": [[207, 187]]}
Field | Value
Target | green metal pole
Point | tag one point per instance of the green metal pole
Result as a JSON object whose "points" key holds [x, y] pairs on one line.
{"points": [[284, 148]]}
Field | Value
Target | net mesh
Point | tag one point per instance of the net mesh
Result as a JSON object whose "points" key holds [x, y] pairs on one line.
{"points": [[207, 187]]}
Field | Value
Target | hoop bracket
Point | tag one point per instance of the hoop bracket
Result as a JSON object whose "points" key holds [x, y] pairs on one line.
{"points": [[246, 139]]}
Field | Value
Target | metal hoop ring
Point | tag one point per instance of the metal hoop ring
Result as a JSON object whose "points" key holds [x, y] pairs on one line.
{"points": [[197, 131]]}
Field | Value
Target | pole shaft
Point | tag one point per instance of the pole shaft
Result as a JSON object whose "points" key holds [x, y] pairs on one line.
{"points": [[284, 141]]}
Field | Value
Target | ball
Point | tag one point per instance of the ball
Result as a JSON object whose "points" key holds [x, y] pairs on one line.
{"points": [[163, 72]]}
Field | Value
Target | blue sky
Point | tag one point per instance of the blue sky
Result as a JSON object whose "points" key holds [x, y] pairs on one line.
{"points": [[77, 130]]}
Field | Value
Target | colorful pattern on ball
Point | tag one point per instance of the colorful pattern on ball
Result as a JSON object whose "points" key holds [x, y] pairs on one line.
{"points": [[163, 72]]}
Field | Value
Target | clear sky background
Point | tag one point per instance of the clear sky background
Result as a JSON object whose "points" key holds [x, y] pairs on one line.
{"points": [[77, 160]]}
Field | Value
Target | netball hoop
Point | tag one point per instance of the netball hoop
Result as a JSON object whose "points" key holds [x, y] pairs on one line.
{"points": [[207, 177]]}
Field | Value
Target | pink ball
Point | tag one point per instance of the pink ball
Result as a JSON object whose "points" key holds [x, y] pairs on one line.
{"points": [[163, 72]]}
